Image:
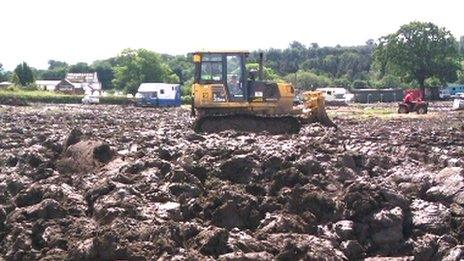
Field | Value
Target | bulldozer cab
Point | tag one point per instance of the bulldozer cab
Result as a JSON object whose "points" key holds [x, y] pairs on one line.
{"points": [[227, 73], [223, 68]]}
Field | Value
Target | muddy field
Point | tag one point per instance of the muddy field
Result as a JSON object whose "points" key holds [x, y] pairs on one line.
{"points": [[111, 182]]}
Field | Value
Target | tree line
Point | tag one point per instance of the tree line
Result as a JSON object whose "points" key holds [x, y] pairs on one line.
{"points": [[417, 55]]}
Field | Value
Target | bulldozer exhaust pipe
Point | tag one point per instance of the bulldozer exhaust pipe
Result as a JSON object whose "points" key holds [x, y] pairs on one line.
{"points": [[260, 72]]}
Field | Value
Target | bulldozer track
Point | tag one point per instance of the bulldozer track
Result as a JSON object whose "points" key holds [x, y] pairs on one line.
{"points": [[272, 124]]}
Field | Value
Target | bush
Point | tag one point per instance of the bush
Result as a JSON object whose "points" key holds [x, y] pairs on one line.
{"points": [[40, 97], [122, 100], [433, 82], [359, 84], [31, 87], [186, 89], [388, 81], [13, 88], [342, 82], [187, 99], [305, 80]]}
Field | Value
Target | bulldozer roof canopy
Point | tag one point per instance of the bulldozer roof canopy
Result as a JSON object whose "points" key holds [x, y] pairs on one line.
{"points": [[222, 52]]}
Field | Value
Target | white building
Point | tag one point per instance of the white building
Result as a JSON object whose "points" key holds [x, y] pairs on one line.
{"points": [[80, 83], [47, 85]]}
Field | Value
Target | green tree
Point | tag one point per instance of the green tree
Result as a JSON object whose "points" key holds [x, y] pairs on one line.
{"points": [[359, 84], [168, 75], [461, 45], [3, 74], [186, 89], [433, 82], [134, 67], [330, 65], [388, 81], [461, 74], [341, 82], [104, 69], [23, 74], [268, 73], [56, 70], [304, 80], [418, 51], [81, 68], [181, 65], [53, 64]]}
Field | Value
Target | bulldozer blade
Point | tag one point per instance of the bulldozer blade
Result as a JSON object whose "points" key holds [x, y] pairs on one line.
{"points": [[314, 104], [320, 115]]}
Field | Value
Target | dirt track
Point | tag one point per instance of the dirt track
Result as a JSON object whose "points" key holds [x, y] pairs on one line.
{"points": [[109, 182]]}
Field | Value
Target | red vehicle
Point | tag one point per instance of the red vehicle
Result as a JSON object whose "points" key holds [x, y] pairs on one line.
{"points": [[413, 102]]}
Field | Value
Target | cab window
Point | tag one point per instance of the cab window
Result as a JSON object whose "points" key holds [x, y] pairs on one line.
{"points": [[234, 77], [211, 68]]}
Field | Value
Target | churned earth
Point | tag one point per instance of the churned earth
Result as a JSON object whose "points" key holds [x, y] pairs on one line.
{"points": [[110, 182]]}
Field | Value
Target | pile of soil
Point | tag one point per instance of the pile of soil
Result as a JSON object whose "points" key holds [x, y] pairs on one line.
{"points": [[108, 182]]}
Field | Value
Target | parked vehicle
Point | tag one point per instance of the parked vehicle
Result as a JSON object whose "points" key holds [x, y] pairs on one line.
{"points": [[444, 94], [413, 102], [158, 95], [458, 102], [458, 95], [335, 94], [454, 89], [420, 107], [91, 99]]}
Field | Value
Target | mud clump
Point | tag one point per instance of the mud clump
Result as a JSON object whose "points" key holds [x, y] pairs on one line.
{"points": [[84, 156], [111, 183]]}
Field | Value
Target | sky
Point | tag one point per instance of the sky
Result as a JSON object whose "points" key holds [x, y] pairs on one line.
{"points": [[86, 30]]}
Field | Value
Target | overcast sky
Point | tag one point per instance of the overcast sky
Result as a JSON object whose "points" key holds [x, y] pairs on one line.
{"points": [[86, 30]]}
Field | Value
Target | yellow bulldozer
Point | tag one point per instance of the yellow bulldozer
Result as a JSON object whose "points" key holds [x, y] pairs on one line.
{"points": [[228, 97]]}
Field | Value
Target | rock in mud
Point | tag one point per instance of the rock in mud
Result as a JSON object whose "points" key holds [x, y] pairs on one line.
{"points": [[430, 217], [352, 249], [292, 246], [449, 185], [253, 256], [285, 223], [454, 254], [345, 229], [238, 169], [386, 227], [47, 209], [212, 241], [309, 165]]}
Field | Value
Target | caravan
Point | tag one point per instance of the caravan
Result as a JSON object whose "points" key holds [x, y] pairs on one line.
{"points": [[336, 94], [159, 95]]}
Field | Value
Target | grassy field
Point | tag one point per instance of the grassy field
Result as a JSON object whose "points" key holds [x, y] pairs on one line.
{"points": [[37, 96], [51, 97]]}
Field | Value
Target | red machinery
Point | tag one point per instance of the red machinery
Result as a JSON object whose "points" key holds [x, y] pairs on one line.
{"points": [[413, 101]]}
